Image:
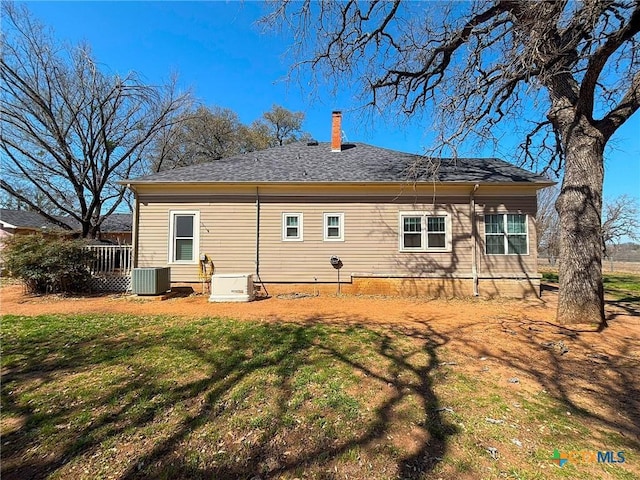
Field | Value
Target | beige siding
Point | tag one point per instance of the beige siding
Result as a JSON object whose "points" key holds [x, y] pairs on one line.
{"points": [[227, 236], [371, 239], [370, 243]]}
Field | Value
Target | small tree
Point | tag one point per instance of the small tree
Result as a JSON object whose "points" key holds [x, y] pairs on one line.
{"points": [[200, 136], [621, 219], [284, 125], [48, 264], [207, 134], [548, 223]]}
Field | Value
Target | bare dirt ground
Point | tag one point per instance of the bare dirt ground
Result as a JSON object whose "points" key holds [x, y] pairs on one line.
{"points": [[305, 308], [589, 371]]}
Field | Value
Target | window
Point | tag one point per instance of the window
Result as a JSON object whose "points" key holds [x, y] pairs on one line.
{"points": [[424, 232], [436, 235], [333, 227], [292, 226], [506, 234], [183, 233], [412, 233]]}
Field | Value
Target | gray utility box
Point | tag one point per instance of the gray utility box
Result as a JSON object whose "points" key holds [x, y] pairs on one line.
{"points": [[150, 281]]}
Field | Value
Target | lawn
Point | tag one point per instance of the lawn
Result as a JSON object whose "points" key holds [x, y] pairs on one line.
{"points": [[122, 396], [618, 285]]}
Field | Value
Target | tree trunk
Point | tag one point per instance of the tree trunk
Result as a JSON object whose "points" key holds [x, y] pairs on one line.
{"points": [[579, 207]]}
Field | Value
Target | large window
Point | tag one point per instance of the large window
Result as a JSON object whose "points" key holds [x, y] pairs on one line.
{"points": [[292, 227], [333, 227], [422, 232], [183, 234], [506, 234]]}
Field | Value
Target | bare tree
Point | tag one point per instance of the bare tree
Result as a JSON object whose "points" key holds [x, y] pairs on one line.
{"points": [[70, 132], [621, 220], [571, 70], [548, 223]]}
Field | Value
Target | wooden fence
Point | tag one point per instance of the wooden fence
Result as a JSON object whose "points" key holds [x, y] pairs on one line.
{"points": [[111, 270]]}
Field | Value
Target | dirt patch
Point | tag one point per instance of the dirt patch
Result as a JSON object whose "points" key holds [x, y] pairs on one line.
{"points": [[377, 309], [513, 348]]}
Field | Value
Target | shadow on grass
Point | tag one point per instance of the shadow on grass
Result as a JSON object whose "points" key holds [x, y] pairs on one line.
{"points": [[169, 395], [579, 371]]}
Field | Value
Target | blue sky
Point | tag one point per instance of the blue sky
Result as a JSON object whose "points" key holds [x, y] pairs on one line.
{"points": [[217, 50]]}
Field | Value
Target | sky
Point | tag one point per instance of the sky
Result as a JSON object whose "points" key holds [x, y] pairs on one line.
{"points": [[219, 52]]}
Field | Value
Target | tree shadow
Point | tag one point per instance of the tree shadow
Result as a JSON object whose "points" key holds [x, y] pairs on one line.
{"points": [[146, 397], [599, 386]]}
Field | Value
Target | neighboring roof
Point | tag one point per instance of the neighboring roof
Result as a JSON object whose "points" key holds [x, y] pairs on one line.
{"points": [[357, 162], [116, 222], [24, 219]]}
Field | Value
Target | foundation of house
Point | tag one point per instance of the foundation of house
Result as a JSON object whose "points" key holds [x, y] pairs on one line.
{"points": [[416, 287]]}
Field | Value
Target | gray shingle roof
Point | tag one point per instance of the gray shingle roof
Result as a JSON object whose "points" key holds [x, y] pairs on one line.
{"points": [[25, 219], [116, 222], [357, 162]]}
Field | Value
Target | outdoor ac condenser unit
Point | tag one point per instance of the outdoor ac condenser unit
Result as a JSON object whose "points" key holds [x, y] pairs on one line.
{"points": [[150, 281], [232, 287]]}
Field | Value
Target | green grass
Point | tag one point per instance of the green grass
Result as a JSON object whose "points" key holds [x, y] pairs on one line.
{"points": [[157, 397], [616, 284], [622, 285]]}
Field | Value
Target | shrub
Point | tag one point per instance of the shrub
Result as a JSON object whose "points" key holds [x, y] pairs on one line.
{"points": [[48, 264]]}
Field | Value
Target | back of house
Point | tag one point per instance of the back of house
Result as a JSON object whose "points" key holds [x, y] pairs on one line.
{"points": [[305, 216]]}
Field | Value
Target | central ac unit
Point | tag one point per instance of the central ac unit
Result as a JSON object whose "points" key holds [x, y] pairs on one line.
{"points": [[232, 287], [150, 281]]}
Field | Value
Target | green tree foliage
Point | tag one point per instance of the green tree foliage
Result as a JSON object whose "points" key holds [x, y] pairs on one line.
{"points": [[208, 134], [284, 125], [200, 136], [48, 264]]}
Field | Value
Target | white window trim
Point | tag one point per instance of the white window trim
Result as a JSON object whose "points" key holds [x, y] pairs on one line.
{"points": [[506, 234], [300, 237], [423, 237], [196, 237], [340, 227]]}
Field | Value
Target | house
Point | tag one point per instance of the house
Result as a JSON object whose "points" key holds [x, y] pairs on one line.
{"points": [[115, 229], [302, 216]]}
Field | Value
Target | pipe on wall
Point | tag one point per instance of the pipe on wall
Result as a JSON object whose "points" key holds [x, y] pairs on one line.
{"points": [[135, 227], [258, 240], [474, 240], [258, 232]]}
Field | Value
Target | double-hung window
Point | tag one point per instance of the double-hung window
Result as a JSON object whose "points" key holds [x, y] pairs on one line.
{"points": [[421, 232], [183, 236], [292, 227], [506, 234], [334, 227]]}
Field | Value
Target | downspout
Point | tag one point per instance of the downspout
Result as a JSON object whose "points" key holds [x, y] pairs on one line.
{"points": [[135, 227], [257, 231], [258, 240], [474, 240]]}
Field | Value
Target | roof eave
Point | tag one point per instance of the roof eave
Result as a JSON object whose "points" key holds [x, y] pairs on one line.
{"points": [[404, 182]]}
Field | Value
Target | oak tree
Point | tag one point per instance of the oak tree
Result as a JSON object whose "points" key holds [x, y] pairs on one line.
{"points": [[200, 136], [212, 133]]}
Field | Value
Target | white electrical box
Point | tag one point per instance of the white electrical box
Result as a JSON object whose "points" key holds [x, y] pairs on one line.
{"points": [[232, 287]]}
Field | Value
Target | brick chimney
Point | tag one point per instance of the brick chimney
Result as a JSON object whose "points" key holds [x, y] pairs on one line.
{"points": [[336, 131]]}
